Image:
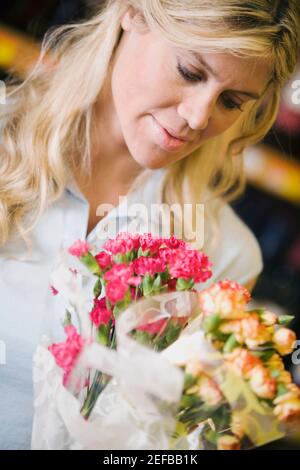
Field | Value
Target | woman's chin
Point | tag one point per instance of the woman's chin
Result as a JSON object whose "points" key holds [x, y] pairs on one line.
{"points": [[152, 164], [153, 161]]}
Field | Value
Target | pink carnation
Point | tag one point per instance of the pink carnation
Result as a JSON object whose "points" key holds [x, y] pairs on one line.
{"points": [[132, 240], [120, 272], [100, 315], [154, 327], [103, 259], [116, 290], [189, 264], [116, 247], [66, 353], [145, 265], [174, 242], [150, 242], [167, 254], [135, 281], [123, 243], [79, 248]]}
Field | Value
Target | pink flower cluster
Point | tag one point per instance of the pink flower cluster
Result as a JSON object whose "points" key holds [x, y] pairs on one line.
{"points": [[66, 353], [145, 265], [100, 315], [187, 264], [79, 248], [148, 242], [169, 255], [119, 278], [158, 255], [104, 260], [123, 243], [126, 242]]}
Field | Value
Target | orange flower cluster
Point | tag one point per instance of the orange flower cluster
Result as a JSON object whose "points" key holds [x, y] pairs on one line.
{"points": [[251, 343]]}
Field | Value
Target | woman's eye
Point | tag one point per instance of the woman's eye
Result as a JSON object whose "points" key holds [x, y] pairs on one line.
{"points": [[187, 75], [230, 104]]}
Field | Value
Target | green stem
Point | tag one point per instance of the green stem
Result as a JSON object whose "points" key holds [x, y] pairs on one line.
{"points": [[113, 339], [99, 383]]}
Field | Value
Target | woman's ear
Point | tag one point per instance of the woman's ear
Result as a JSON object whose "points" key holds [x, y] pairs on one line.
{"points": [[127, 19]]}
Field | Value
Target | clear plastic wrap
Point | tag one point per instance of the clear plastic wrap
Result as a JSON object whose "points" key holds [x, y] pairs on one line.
{"points": [[138, 408]]}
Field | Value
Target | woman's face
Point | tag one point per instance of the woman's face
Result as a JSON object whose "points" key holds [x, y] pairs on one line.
{"points": [[159, 90]]}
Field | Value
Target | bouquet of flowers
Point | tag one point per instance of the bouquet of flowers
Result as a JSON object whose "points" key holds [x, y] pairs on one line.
{"points": [[235, 379], [147, 362]]}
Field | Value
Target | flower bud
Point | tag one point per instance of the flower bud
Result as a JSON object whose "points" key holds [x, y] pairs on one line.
{"points": [[228, 442], [261, 383], [269, 318], [284, 340]]}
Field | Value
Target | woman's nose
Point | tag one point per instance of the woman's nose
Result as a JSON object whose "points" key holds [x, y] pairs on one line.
{"points": [[197, 109]]}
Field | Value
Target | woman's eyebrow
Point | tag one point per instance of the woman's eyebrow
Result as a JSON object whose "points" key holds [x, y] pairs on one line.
{"points": [[205, 64], [200, 59], [254, 96]]}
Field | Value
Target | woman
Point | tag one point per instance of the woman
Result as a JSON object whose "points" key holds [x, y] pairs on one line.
{"points": [[98, 122]]}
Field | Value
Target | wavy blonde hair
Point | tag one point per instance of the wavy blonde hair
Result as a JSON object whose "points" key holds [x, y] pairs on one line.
{"points": [[48, 122]]}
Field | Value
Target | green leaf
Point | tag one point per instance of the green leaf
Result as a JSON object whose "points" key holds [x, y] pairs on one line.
{"points": [[157, 283], [211, 323], [230, 344], [164, 276], [143, 253], [91, 264], [264, 355], [266, 346], [212, 436], [183, 284], [189, 381], [97, 288], [188, 401], [259, 311], [275, 374], [102, 335], [119, 258], [173, 332], [141, 337], [129, 256], [68, 319], [281, 390], [218, 335], [147, 285], [121, 306], [285, 319]]}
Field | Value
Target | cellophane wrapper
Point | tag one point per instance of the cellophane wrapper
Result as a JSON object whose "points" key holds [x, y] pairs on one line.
{"points": [[138, 407]]}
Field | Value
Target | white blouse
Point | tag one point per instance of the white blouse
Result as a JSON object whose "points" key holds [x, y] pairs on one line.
{"points": [[25, 288]]}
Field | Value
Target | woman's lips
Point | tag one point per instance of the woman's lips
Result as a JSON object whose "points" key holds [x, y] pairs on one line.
{"points": [[166, 140]]}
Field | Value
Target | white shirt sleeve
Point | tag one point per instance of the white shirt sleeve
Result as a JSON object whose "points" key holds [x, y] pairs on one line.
{"points": [[237, 255]]}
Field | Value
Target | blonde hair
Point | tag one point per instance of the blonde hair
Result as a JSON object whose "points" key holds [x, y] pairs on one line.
{"points": [[47, 124]]}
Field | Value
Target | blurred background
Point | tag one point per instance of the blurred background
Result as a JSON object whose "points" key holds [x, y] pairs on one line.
{"points": [[271, 204]]}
